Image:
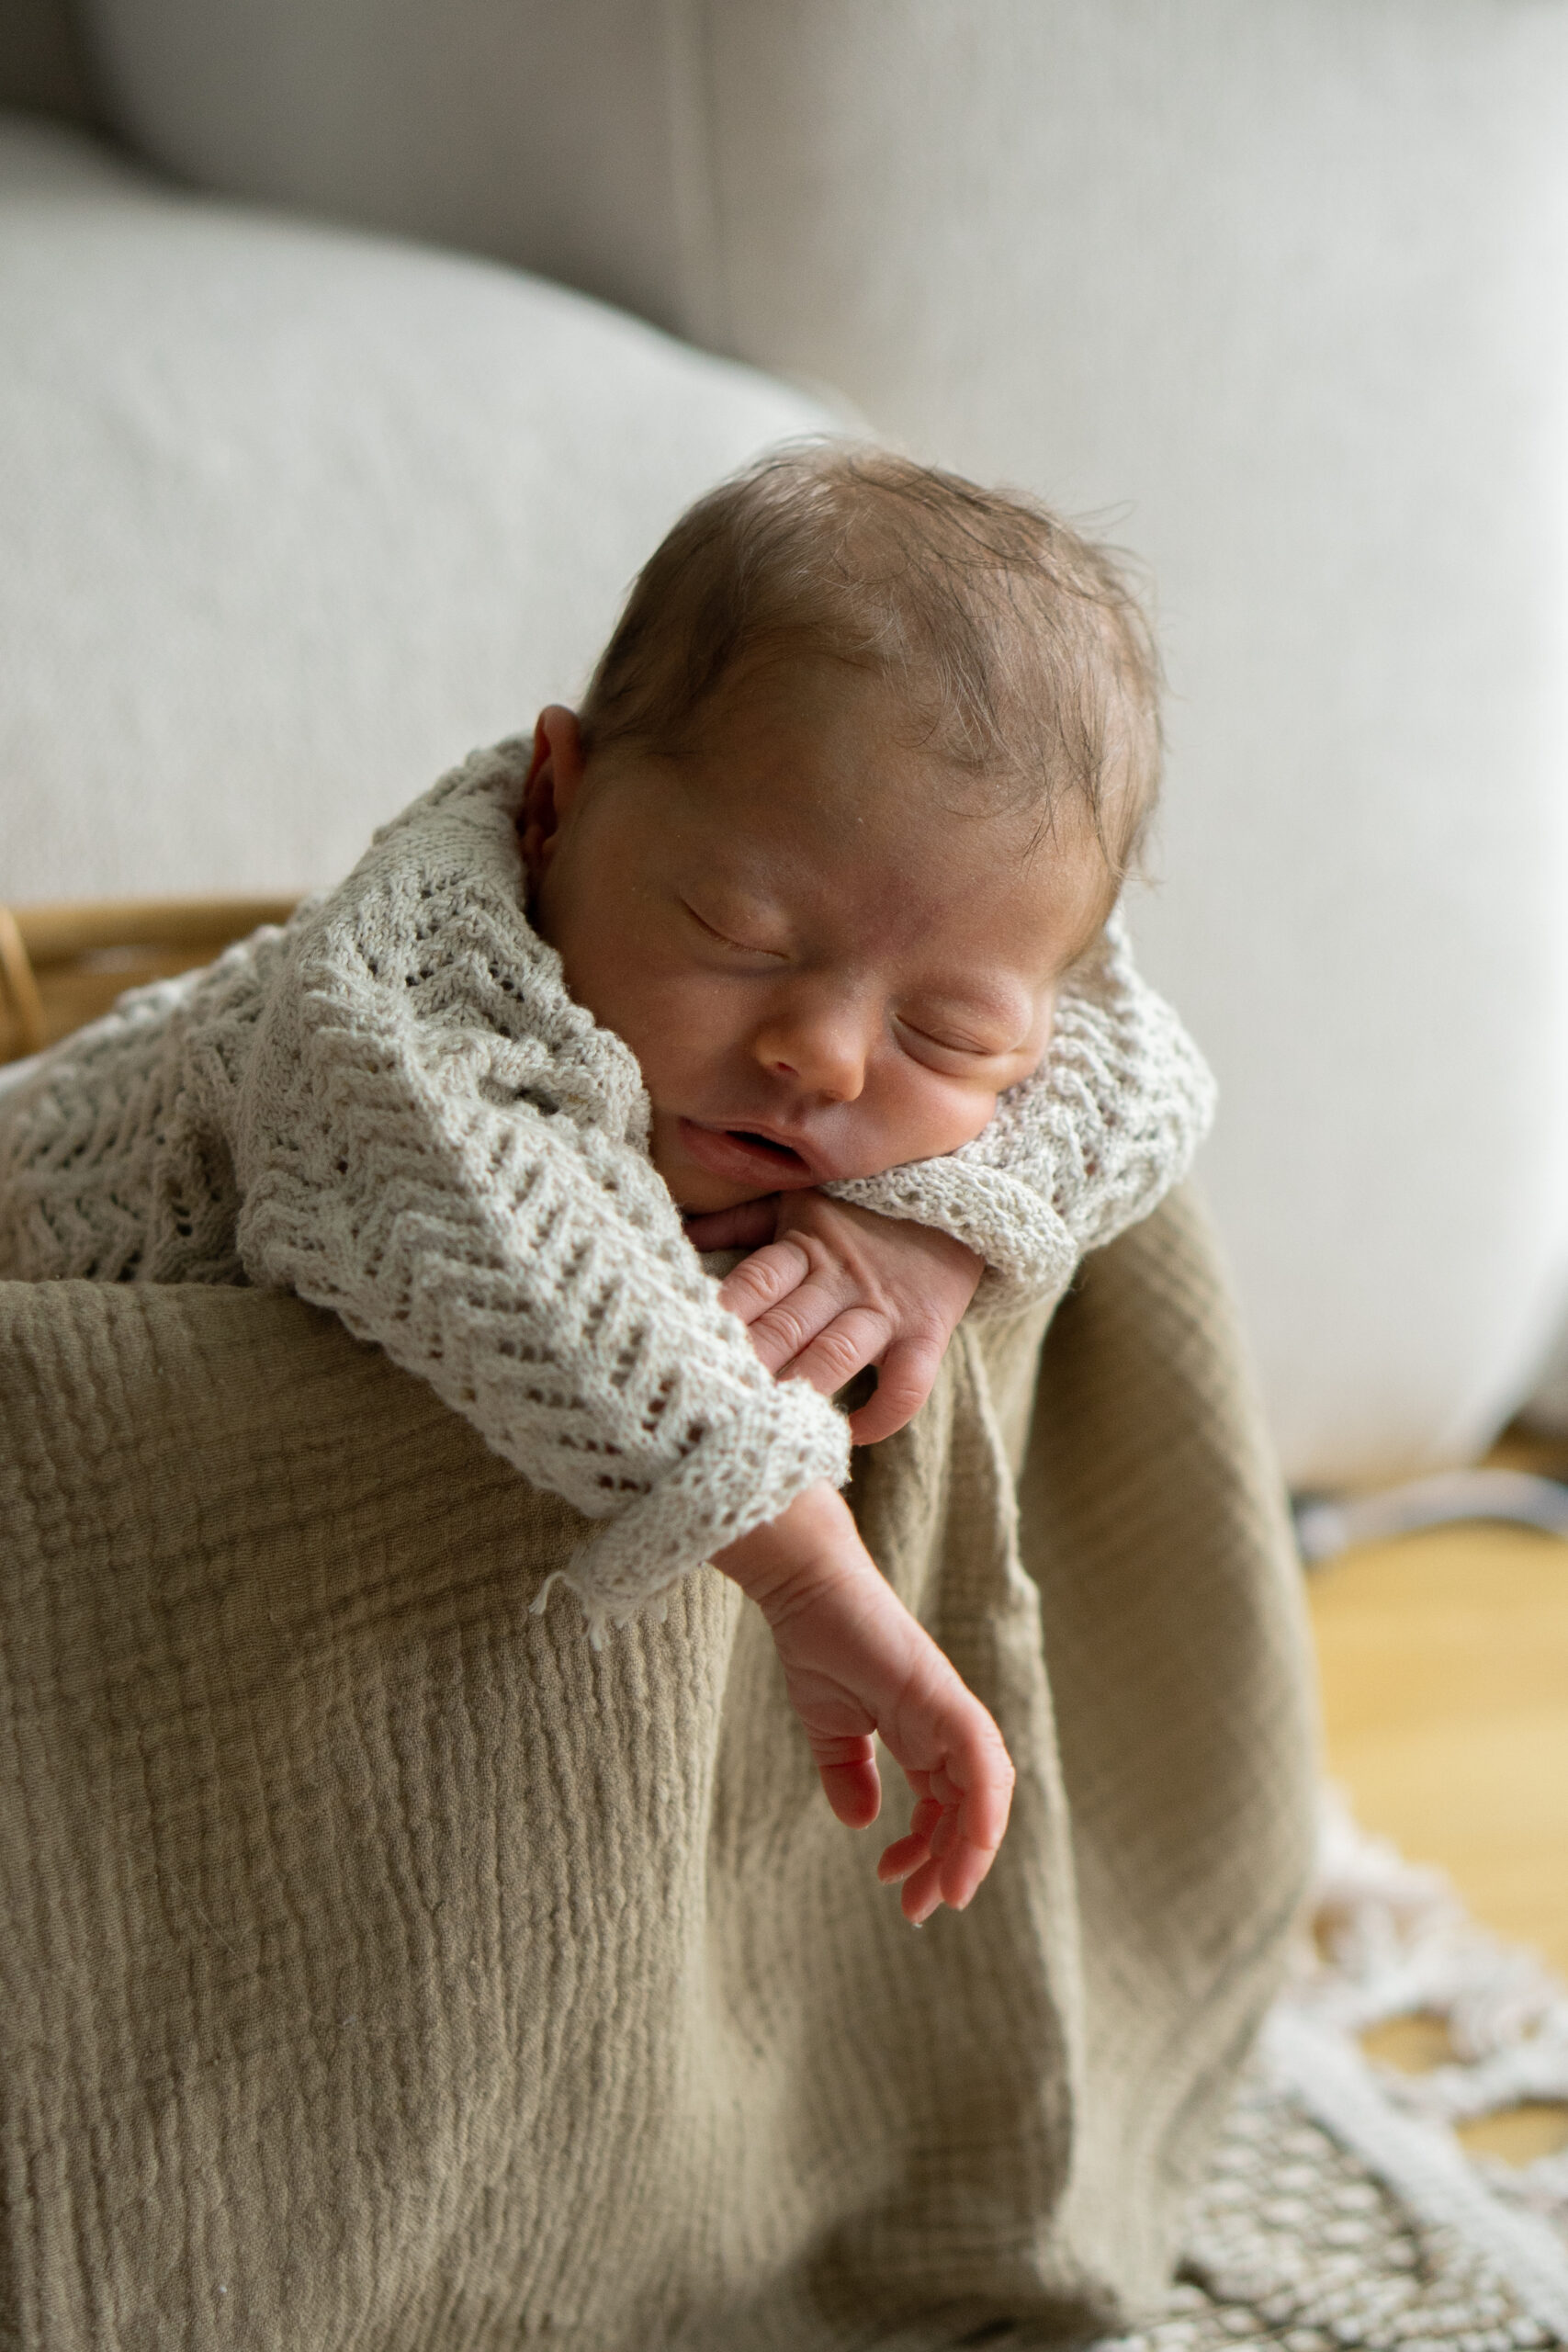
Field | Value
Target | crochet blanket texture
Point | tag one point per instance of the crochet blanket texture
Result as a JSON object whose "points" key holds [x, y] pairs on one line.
{"points": [[393, 1107]]}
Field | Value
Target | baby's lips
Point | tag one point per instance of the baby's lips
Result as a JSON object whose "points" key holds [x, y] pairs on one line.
{"points": [[747, 1155]]}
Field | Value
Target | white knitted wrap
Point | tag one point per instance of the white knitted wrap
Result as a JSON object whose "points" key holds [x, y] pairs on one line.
{"points": [[394, 1108], [1076, 1153]]}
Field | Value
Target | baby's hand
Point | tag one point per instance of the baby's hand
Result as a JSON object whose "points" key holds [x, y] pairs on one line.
{"points": [[857, 1662], [836, 1288]]}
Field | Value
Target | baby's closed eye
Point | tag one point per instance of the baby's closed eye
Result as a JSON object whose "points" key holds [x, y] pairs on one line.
{"points": [[723, 933], [943, 1040]]}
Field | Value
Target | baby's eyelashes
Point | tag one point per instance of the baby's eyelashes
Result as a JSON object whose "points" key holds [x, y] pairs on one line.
{"points": [[961, 1053], [744, 946]]}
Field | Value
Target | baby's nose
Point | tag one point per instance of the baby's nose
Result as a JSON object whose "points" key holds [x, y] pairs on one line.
{"points": [[822, 1054]]}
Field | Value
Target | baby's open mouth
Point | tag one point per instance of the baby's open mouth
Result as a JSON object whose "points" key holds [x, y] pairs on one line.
{"points": [[747, 1153], [781, 1151]]}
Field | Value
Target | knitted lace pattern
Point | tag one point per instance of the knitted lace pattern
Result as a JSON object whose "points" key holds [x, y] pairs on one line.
{"points": [[1075, 1154], [393, 1107]]}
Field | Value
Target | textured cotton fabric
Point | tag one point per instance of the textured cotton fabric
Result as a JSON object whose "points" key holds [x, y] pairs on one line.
{"points": [[382, 1967], [394, 1108]]}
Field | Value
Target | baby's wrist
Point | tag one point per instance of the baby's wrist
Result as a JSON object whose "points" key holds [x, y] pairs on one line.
{"points": [[811, 1543]]}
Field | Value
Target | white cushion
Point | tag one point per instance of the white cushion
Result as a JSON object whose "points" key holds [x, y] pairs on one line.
{"points": [[566, 136], [1279, 292], [1275, 288], [291, 519]]}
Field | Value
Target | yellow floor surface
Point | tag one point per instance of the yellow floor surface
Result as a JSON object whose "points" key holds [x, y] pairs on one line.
{"points": [[1444, 1665]]}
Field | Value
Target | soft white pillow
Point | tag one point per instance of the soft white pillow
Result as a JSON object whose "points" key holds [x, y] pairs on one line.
{"points": [[1276, 293], [293, 518]]}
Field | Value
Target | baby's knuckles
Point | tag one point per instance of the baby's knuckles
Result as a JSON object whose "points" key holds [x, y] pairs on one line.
{"points": [[835, 1253], [770, 1274], [836, 1355], [910, 1274]]}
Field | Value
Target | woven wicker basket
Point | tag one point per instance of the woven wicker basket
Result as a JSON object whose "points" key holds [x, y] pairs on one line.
{"points": [[62, 965]]}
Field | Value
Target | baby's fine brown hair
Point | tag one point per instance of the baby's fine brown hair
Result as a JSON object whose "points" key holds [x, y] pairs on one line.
{"points": [[1014, 645]]}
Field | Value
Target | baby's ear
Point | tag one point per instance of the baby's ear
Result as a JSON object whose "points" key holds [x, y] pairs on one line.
{"points": [[554, 779]]}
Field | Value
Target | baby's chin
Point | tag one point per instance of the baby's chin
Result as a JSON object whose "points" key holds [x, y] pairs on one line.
{"points": [[694, 1196]]}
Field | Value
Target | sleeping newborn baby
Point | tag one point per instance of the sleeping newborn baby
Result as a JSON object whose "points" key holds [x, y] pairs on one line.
{"points": [[797, 939]]}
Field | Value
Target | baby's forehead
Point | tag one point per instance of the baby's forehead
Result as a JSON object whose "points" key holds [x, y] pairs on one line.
{"points": [[993, 884]]}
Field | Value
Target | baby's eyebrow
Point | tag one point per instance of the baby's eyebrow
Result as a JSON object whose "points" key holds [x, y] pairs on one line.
{"points": [[744, 898], [740, 921], [973, 992]]}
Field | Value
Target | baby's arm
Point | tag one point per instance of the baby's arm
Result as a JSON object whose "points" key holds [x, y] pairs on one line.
{"points": [[857, 1662], [435, 1143], [538, 1280]]}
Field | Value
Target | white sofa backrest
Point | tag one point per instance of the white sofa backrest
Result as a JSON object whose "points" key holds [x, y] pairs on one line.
{"points": [[1278, 289], [295, 517], [40, 59], [554, 136]]}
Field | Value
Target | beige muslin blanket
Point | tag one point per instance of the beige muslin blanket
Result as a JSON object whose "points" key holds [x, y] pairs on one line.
{"points": [[382, 1969]]}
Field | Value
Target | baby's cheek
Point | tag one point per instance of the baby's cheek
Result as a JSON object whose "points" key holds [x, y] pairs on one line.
{"points": [[934, 1117], [662, 1040], [980, 1115]]}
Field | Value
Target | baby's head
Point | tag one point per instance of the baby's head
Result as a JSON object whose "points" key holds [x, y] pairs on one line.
{"points": [[856, 783]]}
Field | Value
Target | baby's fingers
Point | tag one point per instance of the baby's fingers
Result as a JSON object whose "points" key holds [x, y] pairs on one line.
{"points": [[851, 1341], [904, 1380], [760, 1281], [979, 1824], [851, 1781], [960, 1820], [965, 1842], [906, 1854], [922, 1894], [946, 1868], [854, 1792], [745, 1226]]}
